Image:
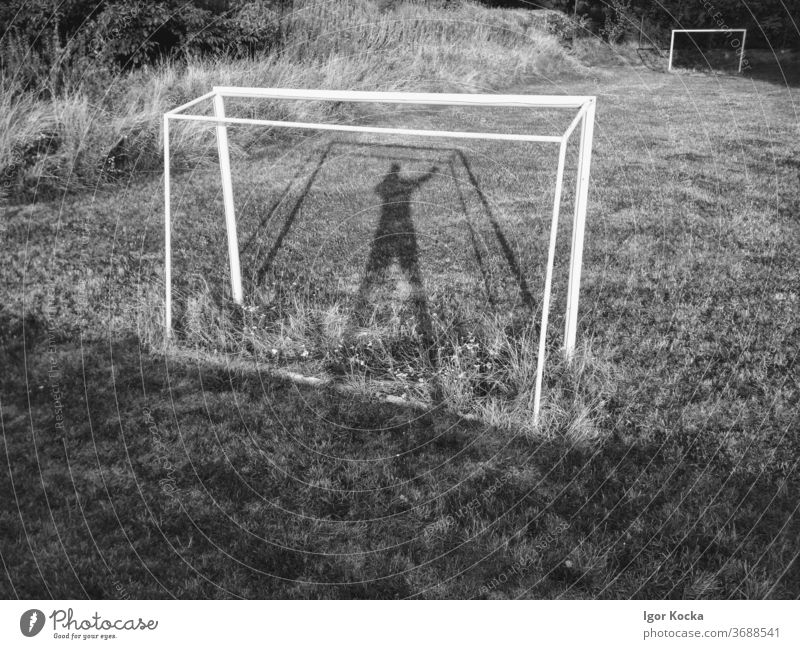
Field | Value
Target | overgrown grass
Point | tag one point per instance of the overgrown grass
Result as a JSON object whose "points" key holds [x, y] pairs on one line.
{"points": [[476, 365], [87, 136]]}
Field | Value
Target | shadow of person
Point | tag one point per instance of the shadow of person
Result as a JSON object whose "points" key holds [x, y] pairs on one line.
{"points": [[395, 240]]}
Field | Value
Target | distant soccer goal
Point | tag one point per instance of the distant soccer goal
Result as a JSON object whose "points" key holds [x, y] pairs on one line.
{"points": [[736, 44], [584, 116]]}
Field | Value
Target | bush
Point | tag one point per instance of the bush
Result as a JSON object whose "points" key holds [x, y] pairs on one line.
{"points": [[559, 24], [132, 34], [49, 48], [617, 20], [258, 28]]}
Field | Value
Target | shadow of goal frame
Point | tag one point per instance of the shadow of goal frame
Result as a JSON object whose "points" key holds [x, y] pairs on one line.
{"points": [[585, 107]]}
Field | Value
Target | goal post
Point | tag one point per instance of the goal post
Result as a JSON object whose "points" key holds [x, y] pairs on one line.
{"points": [[739, 48], [584, 108]]}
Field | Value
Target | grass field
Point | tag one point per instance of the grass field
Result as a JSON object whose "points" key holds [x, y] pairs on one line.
{"points": [[667, 461]]}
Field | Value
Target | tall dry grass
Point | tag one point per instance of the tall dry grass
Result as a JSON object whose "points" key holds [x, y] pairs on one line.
{"points": [[487, 374], [354, 44]]}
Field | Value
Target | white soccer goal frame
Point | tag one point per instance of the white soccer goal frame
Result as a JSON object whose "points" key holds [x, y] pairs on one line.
{"points": [[706, 31], [585, 107]]}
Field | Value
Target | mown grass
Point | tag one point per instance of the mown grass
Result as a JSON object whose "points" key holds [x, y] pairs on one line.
{"points": [[666, 465]]}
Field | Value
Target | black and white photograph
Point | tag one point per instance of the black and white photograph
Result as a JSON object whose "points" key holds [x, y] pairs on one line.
{"points": [[400, 300]]}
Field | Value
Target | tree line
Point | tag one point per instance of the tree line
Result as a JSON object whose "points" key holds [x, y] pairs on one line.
{"points": [[770, 23]]}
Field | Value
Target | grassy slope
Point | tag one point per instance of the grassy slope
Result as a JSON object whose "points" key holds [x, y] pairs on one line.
{"points": [[101, 127], [242, 485]]}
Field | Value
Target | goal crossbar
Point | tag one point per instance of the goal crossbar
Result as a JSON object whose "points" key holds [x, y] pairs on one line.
{"points": [[585, 107], [427, 98], [707, 31]]}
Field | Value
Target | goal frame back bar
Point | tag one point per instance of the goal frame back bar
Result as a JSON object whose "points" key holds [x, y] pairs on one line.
{"points": [[584, 107], [706, 31]]}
